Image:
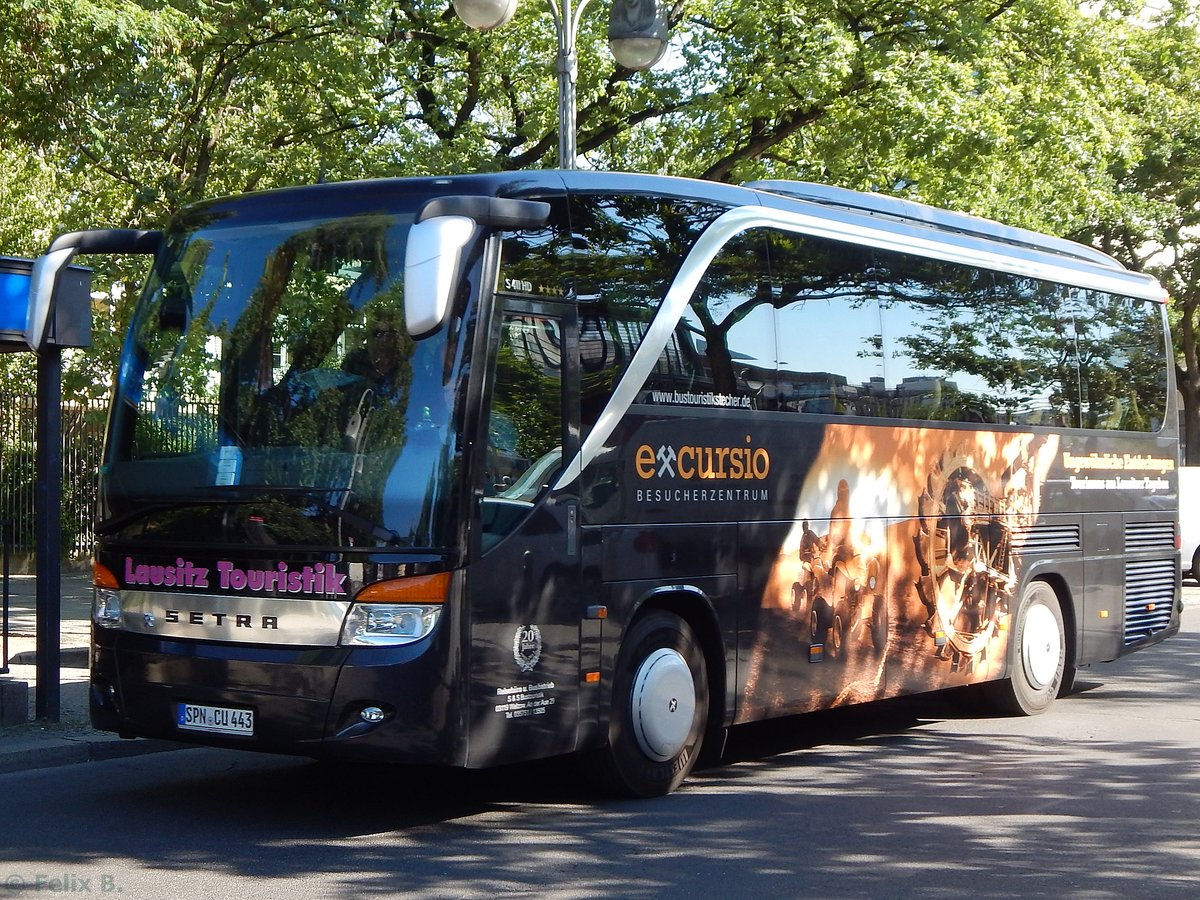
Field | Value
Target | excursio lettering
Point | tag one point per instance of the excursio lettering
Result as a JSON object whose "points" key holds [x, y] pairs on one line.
{"points": [[706, 464]]}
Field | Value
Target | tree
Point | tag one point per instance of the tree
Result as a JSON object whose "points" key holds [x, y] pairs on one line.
{"points": [[999, 108], [130, 110], [1157, 229]]}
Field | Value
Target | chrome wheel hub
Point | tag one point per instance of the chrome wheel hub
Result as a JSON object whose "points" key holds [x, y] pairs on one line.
{"points": [[663, 704], [1041, 639]]}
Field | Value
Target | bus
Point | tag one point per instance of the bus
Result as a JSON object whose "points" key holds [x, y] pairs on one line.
{"points": [[479, 469]]}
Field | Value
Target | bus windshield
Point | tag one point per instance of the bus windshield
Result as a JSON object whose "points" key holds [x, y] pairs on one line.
{"points": [[269, 383]]}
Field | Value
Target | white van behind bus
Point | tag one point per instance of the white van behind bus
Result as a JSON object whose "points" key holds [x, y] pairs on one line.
{"points": [[1189, 520]]}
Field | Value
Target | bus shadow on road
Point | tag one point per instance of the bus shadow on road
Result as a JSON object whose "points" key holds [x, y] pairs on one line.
{"points": [[311, 797], [762, 740]]}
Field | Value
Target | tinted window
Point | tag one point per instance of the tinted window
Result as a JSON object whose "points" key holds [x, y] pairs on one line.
{"points": [[1122, 360], [628, 249], [971, 345], [537, 262], [874, 333], [723, 350], [525, 426], [830, 342]]}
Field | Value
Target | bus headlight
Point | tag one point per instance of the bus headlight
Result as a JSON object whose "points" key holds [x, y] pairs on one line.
{"points": [[106, 607], [388, 624]]}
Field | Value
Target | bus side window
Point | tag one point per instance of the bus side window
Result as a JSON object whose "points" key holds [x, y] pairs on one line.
{"points": [[628, 250], [724, 343], [1121, 360], [937, 320], [526, 421], [607, 341], [830, 335]]}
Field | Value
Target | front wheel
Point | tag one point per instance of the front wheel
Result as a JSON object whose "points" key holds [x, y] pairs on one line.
{"points": [[1037, 655], [660, 707]]}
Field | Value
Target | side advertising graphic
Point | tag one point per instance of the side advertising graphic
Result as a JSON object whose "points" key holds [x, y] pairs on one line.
{"points": [[877, 561], [897, 572]]}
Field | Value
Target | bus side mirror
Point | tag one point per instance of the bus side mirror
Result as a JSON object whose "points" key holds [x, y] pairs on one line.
{"points": [[62, 250], [431, 268], [436, 241]]}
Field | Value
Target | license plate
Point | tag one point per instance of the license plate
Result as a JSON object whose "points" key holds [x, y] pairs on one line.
{"points": [[216, 719]]}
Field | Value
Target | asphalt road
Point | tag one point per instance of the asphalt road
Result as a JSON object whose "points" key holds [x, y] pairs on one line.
{"points": [[1099, 798]]}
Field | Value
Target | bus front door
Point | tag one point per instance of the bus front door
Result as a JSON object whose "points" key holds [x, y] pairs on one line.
{"points": [[524, 586]]}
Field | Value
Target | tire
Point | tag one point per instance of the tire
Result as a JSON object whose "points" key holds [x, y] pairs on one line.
{"points": [[798, 600], [820, 620], [659, 707], [1196, 566], [1037, 655], [1067, 686], [839, 632], [879, 623]]}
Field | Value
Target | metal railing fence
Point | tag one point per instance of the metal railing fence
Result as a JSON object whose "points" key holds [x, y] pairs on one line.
{"points": [[191, 425], [82, 442], [5, 532]]}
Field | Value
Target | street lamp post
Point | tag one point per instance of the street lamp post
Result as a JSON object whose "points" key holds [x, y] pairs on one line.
{"points": [[637, 37]]}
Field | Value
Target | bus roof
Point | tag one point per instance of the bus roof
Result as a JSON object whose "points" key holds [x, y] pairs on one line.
{"points": [[844, 210], [914, 213]]}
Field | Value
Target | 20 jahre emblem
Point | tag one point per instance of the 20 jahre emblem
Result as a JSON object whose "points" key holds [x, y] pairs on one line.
{"points": [[527, 647]]}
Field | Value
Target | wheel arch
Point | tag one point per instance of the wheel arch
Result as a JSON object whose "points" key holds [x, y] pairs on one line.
{"points": [[695, 607]]}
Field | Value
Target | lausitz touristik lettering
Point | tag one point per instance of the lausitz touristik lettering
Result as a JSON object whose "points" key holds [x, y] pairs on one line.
{"points": [[321, 578]]}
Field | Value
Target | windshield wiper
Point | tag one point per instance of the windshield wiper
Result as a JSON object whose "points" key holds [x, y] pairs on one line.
{"points": [[145, 508], [316, 495], [377, 531]]}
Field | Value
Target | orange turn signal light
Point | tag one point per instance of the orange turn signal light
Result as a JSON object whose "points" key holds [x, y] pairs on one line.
{"points": [[103, 578], [415, 589]]}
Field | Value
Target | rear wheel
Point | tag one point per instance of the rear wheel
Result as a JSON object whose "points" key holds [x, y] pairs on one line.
{"points": [[799, 596], [1037, 655], [820, 620], [879, 623], [1196, 566], [660, 707]]}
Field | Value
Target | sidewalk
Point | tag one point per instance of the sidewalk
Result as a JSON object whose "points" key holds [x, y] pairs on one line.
{"points": [[36, 745]]}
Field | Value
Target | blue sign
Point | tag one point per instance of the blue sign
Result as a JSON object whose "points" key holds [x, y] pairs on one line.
{"points": [[69, 313], [14, 301]]}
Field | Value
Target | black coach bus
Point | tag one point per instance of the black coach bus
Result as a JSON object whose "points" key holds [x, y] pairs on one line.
{"points": [[479, 469]]}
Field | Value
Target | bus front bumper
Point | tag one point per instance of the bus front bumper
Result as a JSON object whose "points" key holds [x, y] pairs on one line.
{"points": [[388, 704]]}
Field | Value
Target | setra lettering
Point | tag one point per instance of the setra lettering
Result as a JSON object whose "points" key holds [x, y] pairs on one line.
{"points": [[204, 617]]}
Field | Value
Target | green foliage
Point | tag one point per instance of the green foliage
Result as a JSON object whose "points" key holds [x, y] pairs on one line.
{"points": [[527, 402], [1155, 226], [1036, 112]]}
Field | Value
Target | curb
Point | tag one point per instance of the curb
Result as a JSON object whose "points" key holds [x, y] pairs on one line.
{"points": [[66, 751], [69, 658]]}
